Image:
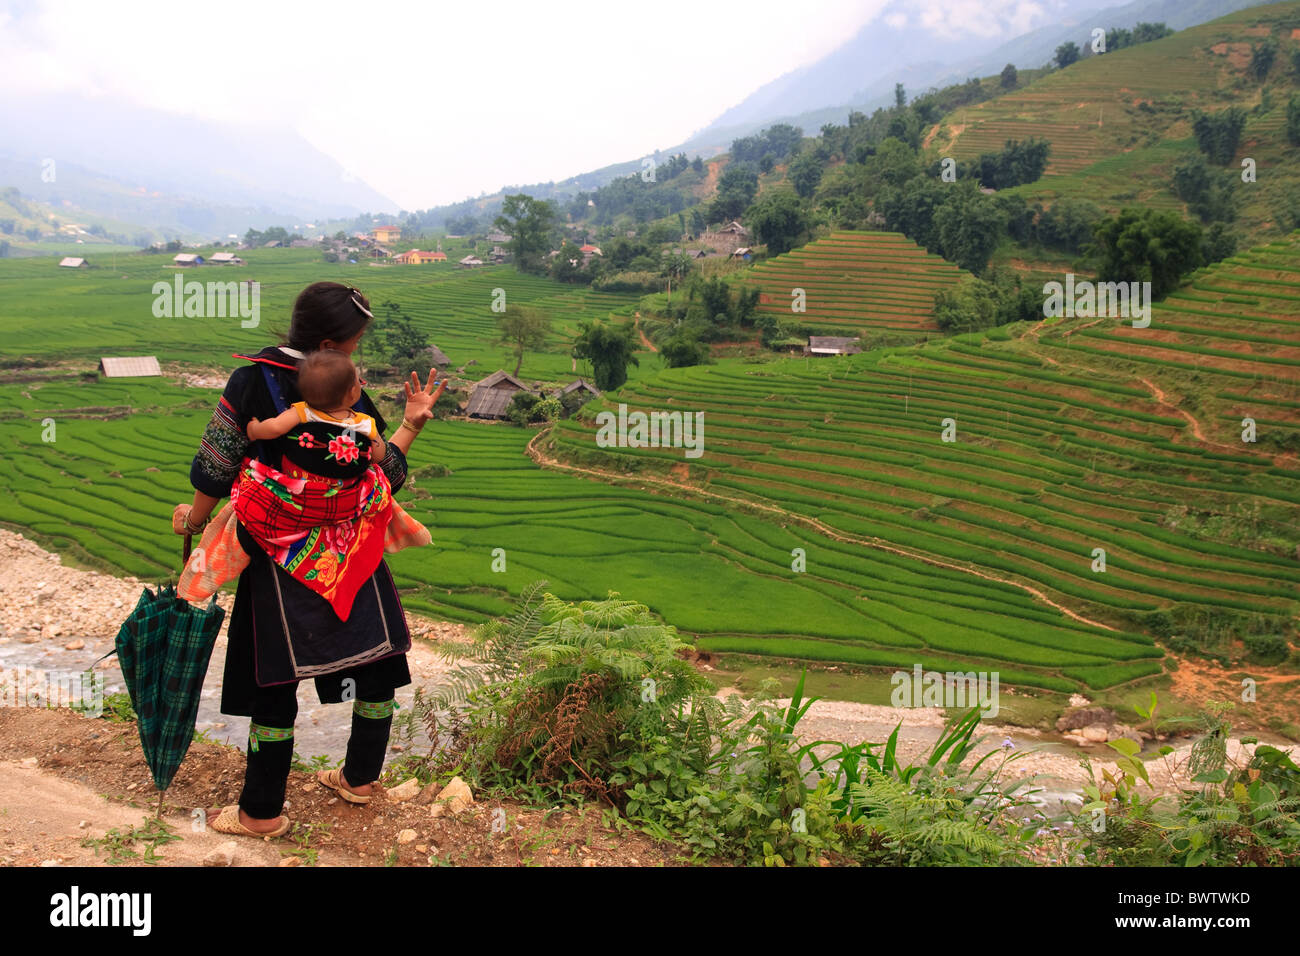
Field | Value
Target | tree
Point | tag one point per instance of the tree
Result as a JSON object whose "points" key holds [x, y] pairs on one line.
{"points": [[737, 187], [529, 223], [1209, 198], [1009, 76], [1218, 243], [397, 339], [779, 220], [522, 329], [1218, 134], [900, 96], [697, 164], [1147, 246], [969, 226], [609, 349], [1066, 54], [805, 173], [1262, 55], [683, 349], [1293, 119]]}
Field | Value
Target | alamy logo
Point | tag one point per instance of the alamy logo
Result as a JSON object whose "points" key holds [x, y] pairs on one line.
{"points": [[208, 300], [1087, 298], [655, 430], [953, 689], [74, 909]]}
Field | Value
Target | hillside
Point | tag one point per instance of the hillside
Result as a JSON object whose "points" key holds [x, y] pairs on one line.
{"points": [[1119, 122], [856, 282], [1088, 434]]}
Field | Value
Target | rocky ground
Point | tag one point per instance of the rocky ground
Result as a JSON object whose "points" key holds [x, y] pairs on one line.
{"points": [[65, 783]]}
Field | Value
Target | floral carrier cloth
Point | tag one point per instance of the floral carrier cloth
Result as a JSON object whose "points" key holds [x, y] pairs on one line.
{"points": [[327, 533]]}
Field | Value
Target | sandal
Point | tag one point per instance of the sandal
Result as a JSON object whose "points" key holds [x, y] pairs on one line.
{"points": [[228, 822], [334, 780]]}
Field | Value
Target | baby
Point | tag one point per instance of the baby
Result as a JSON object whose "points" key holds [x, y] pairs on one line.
{"points": [[330, 385]]}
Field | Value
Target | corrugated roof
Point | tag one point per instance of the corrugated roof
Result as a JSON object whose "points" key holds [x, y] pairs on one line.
{"points": [[72, 262], [490, 402], [130, 366], [833, 343]]}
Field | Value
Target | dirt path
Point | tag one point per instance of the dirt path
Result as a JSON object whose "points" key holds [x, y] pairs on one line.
{"points": [[644, 341], [1197, 431], [816, 525]]}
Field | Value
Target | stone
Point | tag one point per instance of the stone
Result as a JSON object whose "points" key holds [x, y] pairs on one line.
{"points": [[406, 790], [421, 848], [456, 796], [1084, 716], [290, 861], [427, 794], [76, 645], [28, 762], [1096, 733], [223, 855], [52, 630], [406, 836], [31, 638]]}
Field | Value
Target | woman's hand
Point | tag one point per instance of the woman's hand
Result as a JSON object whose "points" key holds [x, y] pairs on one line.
{"points": [[420, 398], [178, 518]]}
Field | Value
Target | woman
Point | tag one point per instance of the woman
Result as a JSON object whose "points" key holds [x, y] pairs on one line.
{"points": [[281, 631]]}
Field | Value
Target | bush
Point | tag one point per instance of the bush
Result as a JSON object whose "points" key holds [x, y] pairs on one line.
{"points": [[1245, 815], [630, 282], [593, 700]]}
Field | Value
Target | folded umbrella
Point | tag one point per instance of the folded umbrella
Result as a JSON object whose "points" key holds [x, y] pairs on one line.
{"points": [[164, 647]]}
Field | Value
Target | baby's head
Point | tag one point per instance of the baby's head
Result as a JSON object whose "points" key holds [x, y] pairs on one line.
{"points": [[327, 380]]}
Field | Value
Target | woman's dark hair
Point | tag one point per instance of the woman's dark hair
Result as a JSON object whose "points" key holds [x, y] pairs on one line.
{"points": [[327, 310]]}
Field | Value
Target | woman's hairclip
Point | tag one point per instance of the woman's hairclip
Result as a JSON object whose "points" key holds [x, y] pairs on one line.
{"points": [[356, 293]]}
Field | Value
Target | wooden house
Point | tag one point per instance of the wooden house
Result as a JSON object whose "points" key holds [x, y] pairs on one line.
{"points": [[492, 395]]}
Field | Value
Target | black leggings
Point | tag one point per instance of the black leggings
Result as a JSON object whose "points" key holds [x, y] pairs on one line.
{"points": [[267, 772]]}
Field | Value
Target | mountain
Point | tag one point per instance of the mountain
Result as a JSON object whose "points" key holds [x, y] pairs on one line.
{"points": [[861, 74], [167, 171]]}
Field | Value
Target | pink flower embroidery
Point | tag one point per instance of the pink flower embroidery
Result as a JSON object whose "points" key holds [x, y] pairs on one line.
{"points": [[304, 440], [344, 449]]}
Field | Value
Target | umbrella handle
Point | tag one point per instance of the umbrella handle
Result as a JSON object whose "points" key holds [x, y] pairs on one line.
{"points": [[185, 549]]}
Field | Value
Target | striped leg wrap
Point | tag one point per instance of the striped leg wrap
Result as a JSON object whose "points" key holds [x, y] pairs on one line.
{"points": [[258, 732], [377, 711]]}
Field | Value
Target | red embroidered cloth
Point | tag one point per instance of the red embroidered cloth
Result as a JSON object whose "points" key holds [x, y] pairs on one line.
{"points": [[327, 533]]}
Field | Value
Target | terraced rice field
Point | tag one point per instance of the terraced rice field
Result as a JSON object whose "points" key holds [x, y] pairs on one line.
{"points": [[1120, 122], [1235, 328], [1060, 449], [107, 311], [102, 492], [856, 282]]}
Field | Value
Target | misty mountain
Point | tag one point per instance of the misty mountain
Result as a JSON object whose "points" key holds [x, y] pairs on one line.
{"points": [[127, 158], [861, 74]]}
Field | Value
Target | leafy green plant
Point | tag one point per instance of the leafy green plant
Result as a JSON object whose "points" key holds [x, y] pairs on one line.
{"points": [[122, 844], [1238, 816]]}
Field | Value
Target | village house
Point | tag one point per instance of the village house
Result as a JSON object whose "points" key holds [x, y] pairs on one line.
{"points": [[225, 259], [492, 395], [727, 239], [832, 345], [497, 237], [187, 259], [386, 233], [416, 257], [73, 262], [432, 357], [580, 386], [130, 367], [744, 252], [470, 261]]}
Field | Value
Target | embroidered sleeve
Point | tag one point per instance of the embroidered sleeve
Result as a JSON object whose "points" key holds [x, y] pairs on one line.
{"points": [[222, 448], [394, 466]]}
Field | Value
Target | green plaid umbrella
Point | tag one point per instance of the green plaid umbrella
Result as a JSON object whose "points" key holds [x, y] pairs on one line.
{"points": [[164, 647]]}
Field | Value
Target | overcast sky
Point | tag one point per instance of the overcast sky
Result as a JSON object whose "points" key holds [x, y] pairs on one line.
{"points": [[431, 101]]}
